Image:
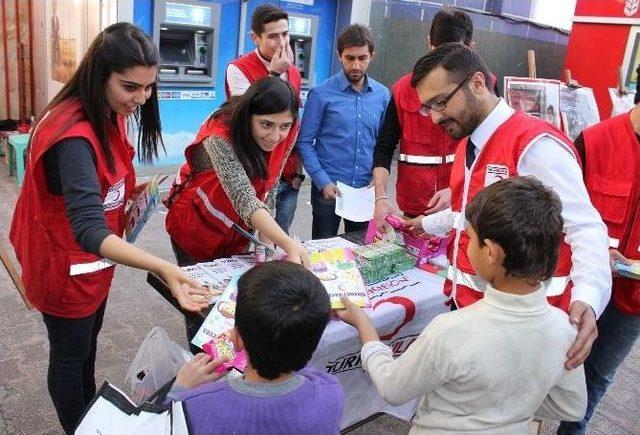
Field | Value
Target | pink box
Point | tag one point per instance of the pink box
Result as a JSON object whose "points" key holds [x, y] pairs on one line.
{"points": [[422, 247]]}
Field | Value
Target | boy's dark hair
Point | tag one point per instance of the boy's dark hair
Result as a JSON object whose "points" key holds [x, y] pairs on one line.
{"points": [[524, 217], [281, 312], [457, 59], [266, 14], [265, 96], [451, 25], [117, 48], [355, 35]]}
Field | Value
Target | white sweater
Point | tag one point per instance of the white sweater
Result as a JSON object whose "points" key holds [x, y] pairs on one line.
{"points": [[485, 369]]}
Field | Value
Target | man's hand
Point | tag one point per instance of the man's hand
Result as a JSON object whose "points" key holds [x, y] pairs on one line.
{"points": [[198, 370], [288, 53], [615, 255], [188, 292], [414, 225], [439, 201], [330, 191], [582, 317], [280, 61], [381, 210], [296, 182]]}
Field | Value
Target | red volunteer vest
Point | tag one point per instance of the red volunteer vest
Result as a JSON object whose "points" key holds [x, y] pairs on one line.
{"points": [[200, 213], [253, 69], [426, 152], [498, 159], [60, 278], [612, 177]]}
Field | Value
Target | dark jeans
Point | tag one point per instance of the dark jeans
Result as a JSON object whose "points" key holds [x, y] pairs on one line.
{"points": [[617, 333], [72, 357], [325, 220], [286, 202], [192, 322]]}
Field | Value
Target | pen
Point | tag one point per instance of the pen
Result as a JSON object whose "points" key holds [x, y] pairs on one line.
{"points": [[251, 237]]}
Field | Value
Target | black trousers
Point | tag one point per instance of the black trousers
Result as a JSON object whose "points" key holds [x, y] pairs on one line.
{"points": [[72, 357]]}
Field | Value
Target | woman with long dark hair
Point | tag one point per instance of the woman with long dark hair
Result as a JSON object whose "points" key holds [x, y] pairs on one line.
{"points": [[69, 218], [230, 178]]}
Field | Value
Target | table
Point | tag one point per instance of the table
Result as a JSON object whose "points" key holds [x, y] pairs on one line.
{"points": [[402, 306]]}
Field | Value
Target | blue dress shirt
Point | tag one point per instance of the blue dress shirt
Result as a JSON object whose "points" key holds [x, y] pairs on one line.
{"points": [[339, 130]]}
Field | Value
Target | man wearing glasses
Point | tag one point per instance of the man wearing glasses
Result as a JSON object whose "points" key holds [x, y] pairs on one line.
{"points": [[451, 82], [426, 149]]}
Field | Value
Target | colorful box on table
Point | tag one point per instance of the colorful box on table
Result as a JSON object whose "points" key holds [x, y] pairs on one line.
{"points": [[421, 248]]}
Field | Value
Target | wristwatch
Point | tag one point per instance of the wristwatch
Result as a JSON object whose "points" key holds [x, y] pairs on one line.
{"points": [[300, 176], [274, 74]]}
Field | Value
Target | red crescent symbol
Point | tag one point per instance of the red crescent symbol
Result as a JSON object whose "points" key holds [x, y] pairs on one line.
{"points": [[409, 308]]}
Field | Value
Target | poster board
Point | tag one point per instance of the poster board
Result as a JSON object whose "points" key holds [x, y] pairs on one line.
{"points": [[539, 98], [620, 103], [578, 109]]}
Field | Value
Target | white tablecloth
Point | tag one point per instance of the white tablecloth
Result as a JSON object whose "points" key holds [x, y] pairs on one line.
{"points": [[402, 308]]}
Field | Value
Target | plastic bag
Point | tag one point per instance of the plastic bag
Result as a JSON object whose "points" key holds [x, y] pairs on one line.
{"points": [[156, 363]]}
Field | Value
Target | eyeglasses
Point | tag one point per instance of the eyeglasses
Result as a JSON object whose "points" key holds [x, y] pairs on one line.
{"points": [[441, 104]]}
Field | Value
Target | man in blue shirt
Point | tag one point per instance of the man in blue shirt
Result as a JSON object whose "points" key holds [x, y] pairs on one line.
{"points": [[340, 124]]}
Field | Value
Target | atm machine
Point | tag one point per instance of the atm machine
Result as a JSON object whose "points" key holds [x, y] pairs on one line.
{"points": [[190, 39], [303, 34], [186, 34]]}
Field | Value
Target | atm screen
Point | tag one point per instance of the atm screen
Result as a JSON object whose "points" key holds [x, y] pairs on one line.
{"points": [[175, 52]]}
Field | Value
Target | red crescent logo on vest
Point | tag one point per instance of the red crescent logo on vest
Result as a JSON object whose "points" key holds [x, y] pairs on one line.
{"points": [[409, 308]]}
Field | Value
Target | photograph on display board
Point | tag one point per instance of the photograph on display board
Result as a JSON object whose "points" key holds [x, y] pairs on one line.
{"points": [[63, 50], [578, 108], [537, 97], [632, 71]]}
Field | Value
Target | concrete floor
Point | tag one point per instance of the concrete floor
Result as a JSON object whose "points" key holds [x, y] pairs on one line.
{"points": [[134, 308]]}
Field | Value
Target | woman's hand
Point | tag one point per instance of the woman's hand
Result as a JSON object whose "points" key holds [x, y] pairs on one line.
{"points": [[188, 292], [296, 253]]}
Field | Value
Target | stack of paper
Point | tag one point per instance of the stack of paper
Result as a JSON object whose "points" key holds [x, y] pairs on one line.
{"points": [[216, 275], [325, 244]]}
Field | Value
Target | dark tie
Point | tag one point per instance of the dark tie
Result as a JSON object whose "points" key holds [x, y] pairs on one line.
{"points": [[471, 153]]}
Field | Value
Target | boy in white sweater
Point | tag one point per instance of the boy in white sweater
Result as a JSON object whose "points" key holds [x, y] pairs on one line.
{"points": [[490, 367]]}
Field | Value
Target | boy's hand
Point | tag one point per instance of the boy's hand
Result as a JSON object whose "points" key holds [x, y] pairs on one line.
{"points": [[352, 314], [198, 370], [356, 317]]}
